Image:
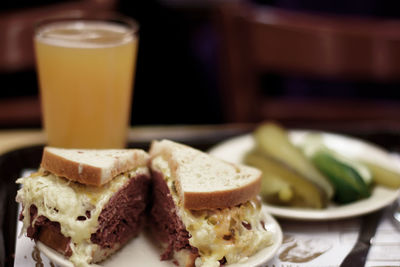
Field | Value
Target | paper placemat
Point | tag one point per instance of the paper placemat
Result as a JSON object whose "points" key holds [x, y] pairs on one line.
{"points": [[326, 244], [322, 244]]}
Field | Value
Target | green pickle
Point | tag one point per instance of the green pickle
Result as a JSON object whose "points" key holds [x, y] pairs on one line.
{"points": [[284, 186], [348, 182], [310, 174], [273, 141]]}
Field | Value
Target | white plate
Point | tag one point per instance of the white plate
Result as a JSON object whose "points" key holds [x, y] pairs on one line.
{"points": [[234, 149], [142, 251]]}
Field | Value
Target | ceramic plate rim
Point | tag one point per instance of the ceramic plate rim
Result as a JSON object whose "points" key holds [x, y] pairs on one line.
{"points": [[258, 259], [241, 144]]}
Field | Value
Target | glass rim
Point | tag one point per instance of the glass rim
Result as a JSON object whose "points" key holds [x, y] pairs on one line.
{"points": [[78, 15]]}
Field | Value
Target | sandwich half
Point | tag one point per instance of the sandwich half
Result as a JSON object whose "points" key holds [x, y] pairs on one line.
{"points": [[205, 211], [85, 203]]}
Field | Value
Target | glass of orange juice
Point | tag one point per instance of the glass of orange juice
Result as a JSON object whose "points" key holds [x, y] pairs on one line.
{"points": [[86, 70]]}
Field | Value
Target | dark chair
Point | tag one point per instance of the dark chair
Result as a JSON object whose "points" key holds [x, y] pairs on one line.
{"points": [[16, 55], [256, 40]]}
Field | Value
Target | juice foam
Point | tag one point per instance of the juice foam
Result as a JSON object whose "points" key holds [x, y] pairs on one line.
{"points": [[85, 34]]}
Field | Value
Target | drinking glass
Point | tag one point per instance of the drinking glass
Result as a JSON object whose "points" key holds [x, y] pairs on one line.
{"points": [[86, 69]]}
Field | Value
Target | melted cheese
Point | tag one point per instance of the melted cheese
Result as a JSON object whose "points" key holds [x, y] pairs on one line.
{"points": [[234, 233], [63, 201]]}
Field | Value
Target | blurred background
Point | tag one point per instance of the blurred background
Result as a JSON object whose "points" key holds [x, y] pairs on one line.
{"points": [[305, 63]]}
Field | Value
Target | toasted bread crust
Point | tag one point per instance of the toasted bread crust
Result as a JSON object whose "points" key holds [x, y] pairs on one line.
{"points": [[221, 199], [87, 174], [63, 167]]}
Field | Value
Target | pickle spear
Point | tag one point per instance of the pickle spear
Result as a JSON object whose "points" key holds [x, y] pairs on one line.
{"points": [[284, 186], [383, 176], [346, 178], [273, 141], [366, 169]]}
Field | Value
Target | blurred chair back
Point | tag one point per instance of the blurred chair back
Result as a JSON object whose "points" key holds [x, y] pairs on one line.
{"points": [[16, 53], [256, 40]]}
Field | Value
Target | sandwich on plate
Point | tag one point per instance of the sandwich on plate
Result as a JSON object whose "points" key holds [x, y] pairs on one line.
{"points": [[85, 203], [205, 211]]}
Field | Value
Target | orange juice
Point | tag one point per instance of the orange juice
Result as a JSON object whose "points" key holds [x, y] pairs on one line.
{"points": [[86, 71]]}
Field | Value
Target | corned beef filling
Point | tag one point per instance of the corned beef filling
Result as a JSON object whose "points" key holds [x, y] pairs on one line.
{"points": [[123, 216], [167, 226], [119, 221]]}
